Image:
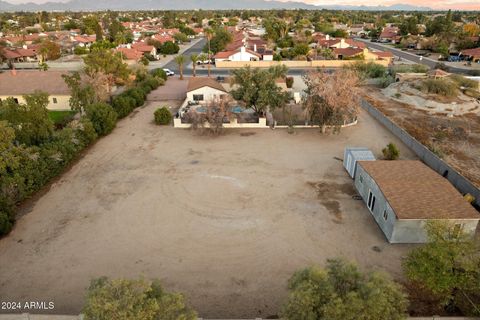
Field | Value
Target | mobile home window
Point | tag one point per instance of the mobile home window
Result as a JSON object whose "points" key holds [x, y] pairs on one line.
{"points": [[198, 97], [54, 100], [385, 215], [371, 201], [361, 179]]}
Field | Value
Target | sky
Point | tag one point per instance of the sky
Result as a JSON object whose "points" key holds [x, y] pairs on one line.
{"points": [[434, 4]]}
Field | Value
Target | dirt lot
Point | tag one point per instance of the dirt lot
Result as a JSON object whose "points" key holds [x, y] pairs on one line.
{"points": [[456, 138], [225, 220]]}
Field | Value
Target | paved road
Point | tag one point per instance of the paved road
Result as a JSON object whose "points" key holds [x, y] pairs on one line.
{"points": [[410, 56]]}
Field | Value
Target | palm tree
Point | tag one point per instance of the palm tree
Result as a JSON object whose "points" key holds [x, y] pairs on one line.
{"points": [[194, 57], [180, 60], [209, 34]]}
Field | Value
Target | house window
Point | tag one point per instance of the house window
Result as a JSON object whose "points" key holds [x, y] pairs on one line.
{"points": [[361, 179], [371, 201], [198, 97], [54, 100], [385, 215]]}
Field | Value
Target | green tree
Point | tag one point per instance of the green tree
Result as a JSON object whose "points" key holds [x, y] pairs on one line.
{"points": [[180, 61], [81, 94], [134, 299], [30, 120], [103, 117], [342, 292], [448, 266], [257, 88], [391, 152], [101, 61]]}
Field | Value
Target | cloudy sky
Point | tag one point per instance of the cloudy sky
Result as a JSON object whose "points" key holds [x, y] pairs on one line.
{"points": [[435, 4]]}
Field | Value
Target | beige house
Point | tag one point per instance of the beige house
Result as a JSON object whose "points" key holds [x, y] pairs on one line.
{"points": [[16, 84]]}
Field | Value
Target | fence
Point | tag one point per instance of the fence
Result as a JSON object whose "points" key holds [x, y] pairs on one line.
{"points": [[427, 156], [293, 64]]}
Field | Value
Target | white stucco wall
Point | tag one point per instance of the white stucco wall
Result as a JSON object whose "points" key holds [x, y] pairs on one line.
{"points": [[208, 93]]}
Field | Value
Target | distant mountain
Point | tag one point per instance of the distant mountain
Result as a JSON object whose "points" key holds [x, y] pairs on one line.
{"points": [[95, 5]]}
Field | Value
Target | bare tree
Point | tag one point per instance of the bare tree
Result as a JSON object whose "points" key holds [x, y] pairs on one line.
{"points": [[331, 98], [211, 121]]}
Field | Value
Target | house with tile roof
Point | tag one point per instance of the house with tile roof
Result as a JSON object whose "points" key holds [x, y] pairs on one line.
{"points": [[240, 54], [402, 195]]}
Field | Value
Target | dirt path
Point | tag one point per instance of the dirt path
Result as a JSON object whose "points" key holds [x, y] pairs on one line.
{"points": [[225, 220]]}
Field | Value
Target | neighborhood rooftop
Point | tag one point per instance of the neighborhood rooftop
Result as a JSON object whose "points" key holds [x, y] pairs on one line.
{"points": [[415, 191], [17, 82]]}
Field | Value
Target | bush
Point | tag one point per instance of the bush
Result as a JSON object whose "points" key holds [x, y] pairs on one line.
{"points": [[385, 81], [409, 68], [86, 132], [159, 73], [169, 48], [391, 152], [289, 81], [103, 117], [137, 94], [461, 81], [370, 70], [441, 66], [162, 116], [6, 217], [442, 87], [80, 51]]}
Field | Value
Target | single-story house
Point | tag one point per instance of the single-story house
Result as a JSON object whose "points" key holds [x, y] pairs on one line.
{"points": [[472, 54], [402, 195], [204, 89], [15, 84], [240, 54]]}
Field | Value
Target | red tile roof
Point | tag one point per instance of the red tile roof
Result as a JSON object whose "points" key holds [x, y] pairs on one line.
{"points": [[130, 54]]}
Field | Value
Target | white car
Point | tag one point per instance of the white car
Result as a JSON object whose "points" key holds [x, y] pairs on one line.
{"points": [[169, 72]]}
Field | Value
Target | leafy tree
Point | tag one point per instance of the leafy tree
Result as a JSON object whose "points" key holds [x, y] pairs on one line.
{"points": [[159, 73], [81, 94], [448, 266], [257, 88], [180, 37], [101, 61], [391, 152], [342, 292], [180, 61], [219, 40], [134, 299], [162, 116], [409, 26], [169, 47], [103, 117], [30, 120], [49, 50]]}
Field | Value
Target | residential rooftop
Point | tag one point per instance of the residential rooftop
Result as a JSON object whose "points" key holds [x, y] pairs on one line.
{"points": [[415, 191]]}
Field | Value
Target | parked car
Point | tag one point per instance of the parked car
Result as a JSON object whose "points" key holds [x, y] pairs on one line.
{"points": [[169, 72], [220, 78]]}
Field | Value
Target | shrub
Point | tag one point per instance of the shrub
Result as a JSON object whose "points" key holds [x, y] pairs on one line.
{"points": [[6, 217], [289, 81], [385, 81], [123, 105], [103, 117], [159, 73], [369, 70], [86, 132], [441, 66], [162, 116], [137, 94], [391, 152], [439, 86], [461, 81], [409, 68]]}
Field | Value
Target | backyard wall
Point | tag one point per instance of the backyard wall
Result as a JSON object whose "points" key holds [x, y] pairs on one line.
{"points": [[293, 64], [462, 184]]}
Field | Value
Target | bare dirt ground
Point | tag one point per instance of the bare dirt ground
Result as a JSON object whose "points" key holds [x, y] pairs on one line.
{"points": [[226, 220], [455, 138]]}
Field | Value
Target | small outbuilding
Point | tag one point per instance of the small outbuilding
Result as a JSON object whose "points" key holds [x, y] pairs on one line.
{"points": [[352, 155], [402, 195]]}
